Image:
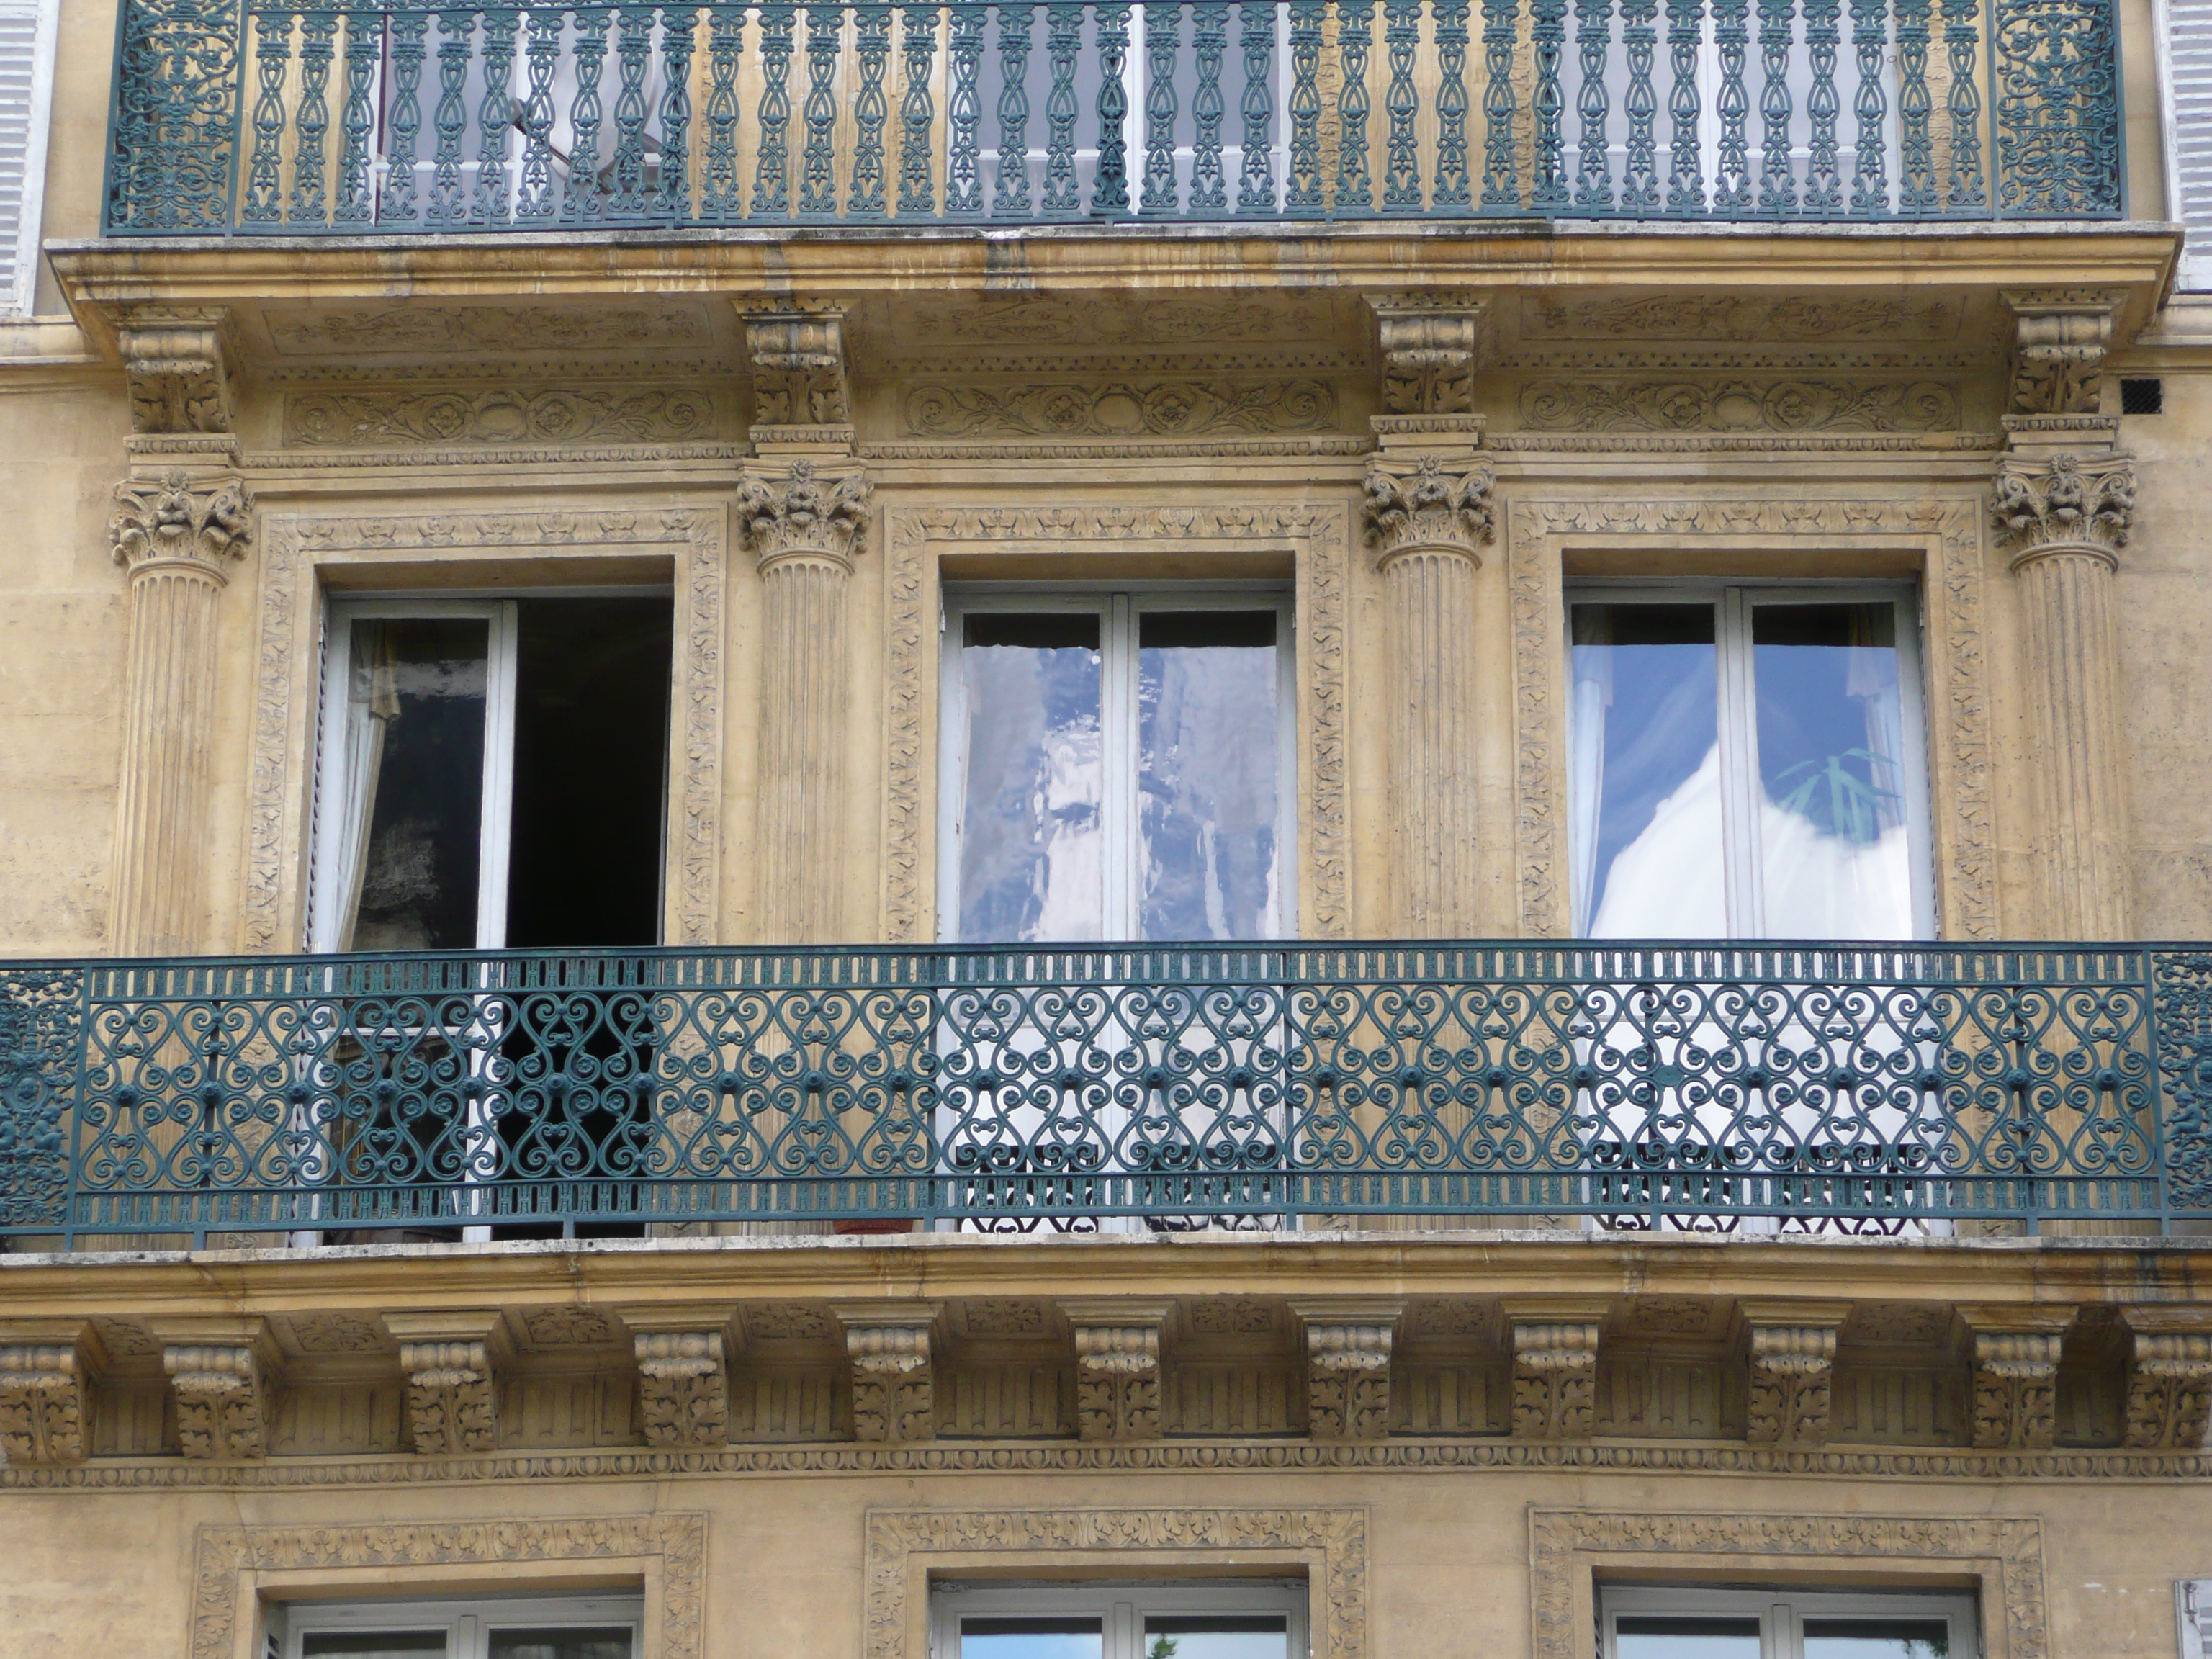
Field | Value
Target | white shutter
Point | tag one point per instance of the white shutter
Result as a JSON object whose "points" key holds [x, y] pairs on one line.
{"points": [[27, 88], [2189, 131], [2192, 1607]]}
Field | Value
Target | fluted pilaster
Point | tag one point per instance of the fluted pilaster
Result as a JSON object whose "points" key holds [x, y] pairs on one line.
{"points": [[1427, 526], [177, 533], [805, 530]]}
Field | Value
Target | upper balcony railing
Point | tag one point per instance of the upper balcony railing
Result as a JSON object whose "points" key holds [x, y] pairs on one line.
{"points": [[1851, 1087], [255, 117]]}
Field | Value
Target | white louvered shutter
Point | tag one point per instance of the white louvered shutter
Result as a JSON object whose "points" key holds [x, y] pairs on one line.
{"points": [[26, 79], [2189, 61]]}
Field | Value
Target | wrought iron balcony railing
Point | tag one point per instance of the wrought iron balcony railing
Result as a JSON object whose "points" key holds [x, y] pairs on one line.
{"points": [[1864, 1087], [268, 116]]}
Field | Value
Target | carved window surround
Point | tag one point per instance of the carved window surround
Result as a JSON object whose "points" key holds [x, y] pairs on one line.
{"points": [[236, 1569], [1316, 538], [305, 551], [1570, 1549], [1941, 534], [907, 1547]]}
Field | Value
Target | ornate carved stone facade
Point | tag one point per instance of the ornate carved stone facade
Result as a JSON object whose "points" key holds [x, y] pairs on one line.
{"points": [[798, 369], [894, 1393], [2015, 1374], [2169, 1378], [1793, 1359], [222, 1373], [682, 1388], [175, 363], [1118, 1355], [1554, 1372], [47, 1369], [1428, 352], [1348, 1368], [451, 1362]]}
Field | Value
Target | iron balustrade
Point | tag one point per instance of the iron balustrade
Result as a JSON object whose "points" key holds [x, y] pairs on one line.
{"points": [[248, 118], [1822, 1086]]}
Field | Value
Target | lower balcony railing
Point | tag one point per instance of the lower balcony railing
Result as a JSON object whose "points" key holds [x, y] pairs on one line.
{"points": [[1851, 1087], [383, 117]]}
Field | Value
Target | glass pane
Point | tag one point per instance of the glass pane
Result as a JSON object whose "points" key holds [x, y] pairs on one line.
{"points": [[1207, 751], [1877, 1638], [1644, 752], [371, 1644], [1229, 1636], [1653, 1636], [1030, 1638], [415, 738], [544, 1644], [1032, 833], [1835, 862]]}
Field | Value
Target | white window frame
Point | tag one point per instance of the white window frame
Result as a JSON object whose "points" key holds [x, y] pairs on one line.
{"points": [[1782, 1612], [324, 926], [1733, 601], [468, 1624], [20, 298], [1118, 606], [1120, 1607]]}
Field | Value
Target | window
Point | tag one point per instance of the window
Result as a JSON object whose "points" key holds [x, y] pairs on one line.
{"points": [[1116, 766], [539, 1627], [1640, 1623], [28, 33], [460, 740], [1263, 1619], [2185, 40], [1747, 763]]}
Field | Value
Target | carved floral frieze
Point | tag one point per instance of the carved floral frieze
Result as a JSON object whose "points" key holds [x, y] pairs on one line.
{"points": [[1167, 408], [412, 329], [1792, 405], [404, 417], [1739, 318]]}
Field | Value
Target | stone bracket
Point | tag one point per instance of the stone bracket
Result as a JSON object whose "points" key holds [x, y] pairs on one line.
{"points": [[802, 394], [2060, 340], [1347, 1349], [2015, 1374], [452, 1361], [176, 364], [684, 1358], [1428, 349], [1793, 1360], [2169, 1378], [894, 1392], [223, 1372], [1119, 1350], [1555, 1342], [47, 1367]]}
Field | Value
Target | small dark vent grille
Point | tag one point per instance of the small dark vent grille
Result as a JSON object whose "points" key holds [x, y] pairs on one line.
{"points": [[2144, 397]]}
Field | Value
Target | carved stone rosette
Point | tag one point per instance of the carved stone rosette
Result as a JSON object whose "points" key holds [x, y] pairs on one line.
{"points": [[2016, 1375], [894, 1393], [1792, 1375], [806, 530], [45, 1374], [1427, 525], [1117, 1382], [451, 1361], [2169, 1378], [177, 533], [2067, 517], [682, 1388], [1554, 1377], [1348, 1381]]}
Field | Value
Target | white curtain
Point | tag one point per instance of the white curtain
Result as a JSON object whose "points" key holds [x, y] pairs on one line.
{"points": [[372, 704], [1593, 695]]}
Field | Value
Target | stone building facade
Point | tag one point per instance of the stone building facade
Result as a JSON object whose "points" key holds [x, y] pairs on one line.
{"points": [[809, 545]]}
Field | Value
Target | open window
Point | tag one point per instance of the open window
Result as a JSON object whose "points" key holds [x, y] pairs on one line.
{"points": [[491, 1628], [1640, 1622], [1220, 1619], [1117, 767], [1747, 762]]}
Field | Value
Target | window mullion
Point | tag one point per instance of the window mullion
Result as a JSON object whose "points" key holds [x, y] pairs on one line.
{"points": [[1119, 750], [1739, 741], [495, 830]]}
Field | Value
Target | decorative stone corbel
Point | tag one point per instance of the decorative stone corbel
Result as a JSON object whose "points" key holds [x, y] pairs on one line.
{"points": [[894, 1396], [1118, 1368], [47, 1367], [222, 1372], [2015, 1363], [1348, 1366], [806, 529], [2169, 1378], [801, 394], [176, 365], [452, 1361], [684, 1357], [2060, 340], [1554, 1366], [1427, 345], [1793, 1362]]}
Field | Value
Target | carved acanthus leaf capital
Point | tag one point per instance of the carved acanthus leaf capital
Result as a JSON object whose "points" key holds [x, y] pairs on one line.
{"points": [[2060, 341], [177, 517], [1428, 509], [803, 515], [175, 366], [798, 368], [2065, 505], [1428, 353]]}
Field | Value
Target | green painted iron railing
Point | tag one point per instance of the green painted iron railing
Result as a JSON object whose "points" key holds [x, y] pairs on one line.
{"points": [[1869, 1087], [267, 117]]}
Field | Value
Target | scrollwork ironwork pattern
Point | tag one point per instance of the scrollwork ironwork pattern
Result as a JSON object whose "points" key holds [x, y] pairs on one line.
{"points": [[583, 115], [1835, 1085]]}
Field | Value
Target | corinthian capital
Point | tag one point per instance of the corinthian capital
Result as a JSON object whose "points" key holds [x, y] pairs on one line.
{"points": [[178, 516], [800, 515], [1429, 508], [2065, 505]]}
